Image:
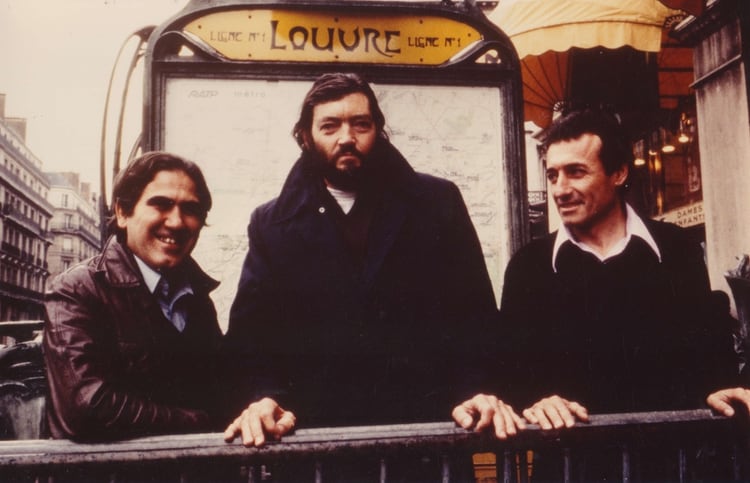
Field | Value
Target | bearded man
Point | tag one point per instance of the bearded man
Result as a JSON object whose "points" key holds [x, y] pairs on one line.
{"points": [[364, 287]]}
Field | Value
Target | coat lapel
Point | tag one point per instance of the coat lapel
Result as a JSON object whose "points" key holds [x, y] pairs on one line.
{"points": [[298, 199], [383, 233]]}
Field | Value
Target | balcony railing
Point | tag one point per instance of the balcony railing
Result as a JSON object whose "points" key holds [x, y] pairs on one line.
{"points": [[89, 233], [314, 454], [22, 220]]}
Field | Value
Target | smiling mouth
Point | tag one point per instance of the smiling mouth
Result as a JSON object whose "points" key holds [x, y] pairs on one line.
{"points": [[172, 241], [568, 206]]}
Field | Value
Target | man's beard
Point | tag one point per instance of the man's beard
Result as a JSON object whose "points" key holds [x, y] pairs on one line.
{"points": [[350, 178]]}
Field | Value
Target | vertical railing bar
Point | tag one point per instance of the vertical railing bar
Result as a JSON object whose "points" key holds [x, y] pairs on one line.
{"points": [[681, 464], [264, 473], [507, 465], [383, 470], [625, 464], [318, 472], [736, 462], [566, 465], [524, 461], [446, 469]]}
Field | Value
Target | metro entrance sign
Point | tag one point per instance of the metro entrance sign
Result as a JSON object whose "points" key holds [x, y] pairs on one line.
{"points": [[332, 36], [225, 79]]}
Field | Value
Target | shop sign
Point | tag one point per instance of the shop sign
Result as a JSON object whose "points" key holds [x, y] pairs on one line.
{"points": [[328, 36], [685, 216]]}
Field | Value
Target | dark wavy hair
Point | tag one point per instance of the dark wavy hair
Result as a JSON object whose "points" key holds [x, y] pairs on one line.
{"points": [[131, 181], [615, 151], [332, 87]]}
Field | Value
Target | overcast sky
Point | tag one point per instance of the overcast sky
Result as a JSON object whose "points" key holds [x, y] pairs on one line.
{"points": [[55, 60]]}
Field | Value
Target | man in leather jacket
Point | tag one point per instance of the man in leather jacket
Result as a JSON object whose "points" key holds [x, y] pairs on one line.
{"points": [[131, 340]]}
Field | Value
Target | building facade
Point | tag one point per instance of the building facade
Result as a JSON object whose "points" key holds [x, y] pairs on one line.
{"points": [[75, 223], [721, 41], [25, 216]]}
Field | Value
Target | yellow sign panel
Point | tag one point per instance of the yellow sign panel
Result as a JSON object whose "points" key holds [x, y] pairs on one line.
{"points": [[327, 36]]}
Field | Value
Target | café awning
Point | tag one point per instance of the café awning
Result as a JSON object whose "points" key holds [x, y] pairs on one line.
{"points": [[544, 32]]}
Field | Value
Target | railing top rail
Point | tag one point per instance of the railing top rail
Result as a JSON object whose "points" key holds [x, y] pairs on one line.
{"points": [[22, 323], [21, 329], [444, 436]]}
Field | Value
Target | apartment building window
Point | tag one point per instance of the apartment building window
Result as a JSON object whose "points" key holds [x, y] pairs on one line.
{"points": [[64, 201], [68, 221]]}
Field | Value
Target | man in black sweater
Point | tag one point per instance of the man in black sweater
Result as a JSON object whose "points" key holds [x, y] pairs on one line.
{"points": [[612, 312]]}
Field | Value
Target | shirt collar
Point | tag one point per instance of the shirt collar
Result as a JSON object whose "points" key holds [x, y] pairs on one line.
{"points": [[634, 226], [150, 276]]}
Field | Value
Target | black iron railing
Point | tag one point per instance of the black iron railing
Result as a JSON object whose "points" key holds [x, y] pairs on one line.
{"points": [[697, 445]]}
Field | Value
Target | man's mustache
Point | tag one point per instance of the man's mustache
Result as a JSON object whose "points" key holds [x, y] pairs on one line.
{"points": [[348, 149]]}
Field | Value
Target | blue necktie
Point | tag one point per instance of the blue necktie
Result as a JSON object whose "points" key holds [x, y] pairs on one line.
{"points": [[172, 302]]}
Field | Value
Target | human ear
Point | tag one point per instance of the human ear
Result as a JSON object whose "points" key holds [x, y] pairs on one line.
{"points": [[122, 218], [621, 175], [306, 141]]}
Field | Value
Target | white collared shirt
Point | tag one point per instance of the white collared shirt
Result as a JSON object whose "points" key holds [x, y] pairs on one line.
{"points": [[634, 226]]}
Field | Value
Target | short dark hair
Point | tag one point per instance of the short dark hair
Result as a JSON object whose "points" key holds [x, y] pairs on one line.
{"points": [[332, 87], [615, 151], [131, 181]]}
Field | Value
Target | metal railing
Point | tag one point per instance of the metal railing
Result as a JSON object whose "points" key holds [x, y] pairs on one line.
{"points": [[686, 438]]}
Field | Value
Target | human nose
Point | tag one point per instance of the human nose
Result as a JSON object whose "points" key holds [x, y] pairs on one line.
{"points": [[174, 217], [560, 186], [346, 135]]}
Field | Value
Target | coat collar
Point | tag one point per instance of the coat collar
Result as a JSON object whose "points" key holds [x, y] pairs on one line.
{"points": [[117, 265], [302, 188], [396, 185]]}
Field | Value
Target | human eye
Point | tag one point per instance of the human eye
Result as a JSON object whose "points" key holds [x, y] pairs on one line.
{"points": [[576, 171], [161, 203], [363, 125], [192, 208], [328, 127], [551, 175]]}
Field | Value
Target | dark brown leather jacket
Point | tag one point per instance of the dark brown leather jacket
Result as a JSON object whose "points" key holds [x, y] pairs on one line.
{"points": [[116, 366]]}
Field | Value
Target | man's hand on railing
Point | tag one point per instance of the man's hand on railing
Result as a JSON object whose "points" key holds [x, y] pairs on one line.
{"points": [[261, 418], [722, 400], [554, 412], [482, 410]]}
